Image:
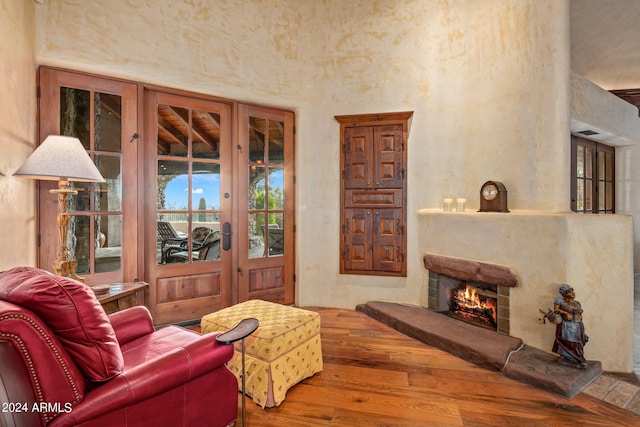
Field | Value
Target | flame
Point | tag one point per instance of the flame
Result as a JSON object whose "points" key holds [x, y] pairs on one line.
{"points": [[468, 297]]}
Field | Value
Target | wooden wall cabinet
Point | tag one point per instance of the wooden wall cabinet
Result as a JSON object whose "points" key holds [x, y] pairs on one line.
{"points": [[373, 212]]}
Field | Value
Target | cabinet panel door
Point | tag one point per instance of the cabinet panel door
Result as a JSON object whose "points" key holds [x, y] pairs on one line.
{"points": [[357, 239], [358, 157], [388, 157], [388, 240]]}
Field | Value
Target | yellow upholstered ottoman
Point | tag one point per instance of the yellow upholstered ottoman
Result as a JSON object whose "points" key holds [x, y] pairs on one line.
{"points": [[284, 350]]}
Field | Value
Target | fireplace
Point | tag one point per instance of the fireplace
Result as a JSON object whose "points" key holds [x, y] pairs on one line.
{"points": [[475, 303], [470, 291]]}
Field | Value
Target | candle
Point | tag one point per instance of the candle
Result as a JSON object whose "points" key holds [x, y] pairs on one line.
{"points": [[460, 202], [447, 205]]}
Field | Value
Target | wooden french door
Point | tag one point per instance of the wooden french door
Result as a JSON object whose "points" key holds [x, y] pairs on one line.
{"points": [[188, 205], [198, 199], [220, 209], [103, 230], [265, 205]]}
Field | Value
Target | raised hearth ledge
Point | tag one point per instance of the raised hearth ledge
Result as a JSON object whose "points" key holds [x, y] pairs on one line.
{"points": [[471, 270], [484, 348]]}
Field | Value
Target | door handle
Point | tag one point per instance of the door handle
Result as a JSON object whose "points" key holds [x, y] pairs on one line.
{"points": [[226, 236]]}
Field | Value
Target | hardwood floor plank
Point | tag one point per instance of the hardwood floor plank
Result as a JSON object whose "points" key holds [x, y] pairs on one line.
{"points": [[376, 376]]}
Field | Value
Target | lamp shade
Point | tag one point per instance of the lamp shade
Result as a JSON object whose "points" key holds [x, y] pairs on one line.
{"points": [[60, 158]]}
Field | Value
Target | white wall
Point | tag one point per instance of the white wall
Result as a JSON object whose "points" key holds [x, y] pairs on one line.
{"points": [[488, 82], [17, 132]]}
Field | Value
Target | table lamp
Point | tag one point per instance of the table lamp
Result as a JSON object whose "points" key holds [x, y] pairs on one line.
{"points": [[63, 159]]}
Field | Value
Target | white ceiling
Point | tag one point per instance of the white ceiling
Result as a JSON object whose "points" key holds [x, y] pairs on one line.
{"points": [[605, 42]]}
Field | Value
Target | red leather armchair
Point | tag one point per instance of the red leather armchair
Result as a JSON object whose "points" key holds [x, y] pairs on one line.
{"points": [[64, 362]]}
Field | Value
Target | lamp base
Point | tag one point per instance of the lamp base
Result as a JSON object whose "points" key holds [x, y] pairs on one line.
{"points": [[67, 268]]}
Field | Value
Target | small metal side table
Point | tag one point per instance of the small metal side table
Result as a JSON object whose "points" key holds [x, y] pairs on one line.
{"points": [[239, 332]]}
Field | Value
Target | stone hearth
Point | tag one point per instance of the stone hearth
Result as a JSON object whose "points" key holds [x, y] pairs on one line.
{"points": [[483, 347]]}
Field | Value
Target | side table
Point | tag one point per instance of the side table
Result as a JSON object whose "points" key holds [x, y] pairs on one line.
{"points": [[123, 295], [239, 332]]}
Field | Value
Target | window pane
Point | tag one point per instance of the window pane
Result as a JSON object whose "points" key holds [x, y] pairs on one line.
{"points": [[580, 196], [276, 142], [108, 117], [206, 186], [609, 196], [601, 165], [588, 162], [173, 185], [588, 189], [173, 131], [601, 195], [206, 135], [75, 113], [108, 243], [109, 194], [608, 166], [580, 161]]}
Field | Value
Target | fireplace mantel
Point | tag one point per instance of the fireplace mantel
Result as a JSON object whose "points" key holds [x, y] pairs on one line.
{"points": [[467, 269]]}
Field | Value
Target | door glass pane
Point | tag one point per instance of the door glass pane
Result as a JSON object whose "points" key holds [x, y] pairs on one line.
{"points": [[173, 185], [108, 243], [78, 241], [257, 189], [172, 231], [94, 238], [109, 194], [205, 238], [601, 168], [173, 131], [206, 186], [75, 114], [107, 119], [276, 188], [257, 135], [257, 233], [206, 135], [275, 234], [276, 142]]}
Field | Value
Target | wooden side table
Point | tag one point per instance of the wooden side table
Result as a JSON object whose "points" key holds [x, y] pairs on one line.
{"points": [[123, 295]]}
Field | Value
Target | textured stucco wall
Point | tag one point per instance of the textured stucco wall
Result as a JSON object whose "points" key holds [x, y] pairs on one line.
{"points": [[17, 132], [488, 82]]}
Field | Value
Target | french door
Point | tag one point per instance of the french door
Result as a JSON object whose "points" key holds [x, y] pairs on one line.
{"points": [[198, 200], [266, 222], [103, 232], [188, 203], [221, 208]]}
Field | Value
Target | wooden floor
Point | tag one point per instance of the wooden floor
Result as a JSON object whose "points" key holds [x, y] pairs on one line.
{"points": [[375, 376]]}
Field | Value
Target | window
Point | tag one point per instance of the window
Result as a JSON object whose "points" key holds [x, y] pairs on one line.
{"points": [[592, 177]]}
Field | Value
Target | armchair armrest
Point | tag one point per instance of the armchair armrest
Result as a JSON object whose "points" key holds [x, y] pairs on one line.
{"points": [[131, 323], [170, 370]]}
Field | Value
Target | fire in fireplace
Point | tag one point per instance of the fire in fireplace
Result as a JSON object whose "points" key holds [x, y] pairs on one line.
{"points": [[475, 303]]}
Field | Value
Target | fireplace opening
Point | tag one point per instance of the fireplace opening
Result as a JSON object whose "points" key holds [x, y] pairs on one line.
{"points": [[475, 303], [492, 284]]}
